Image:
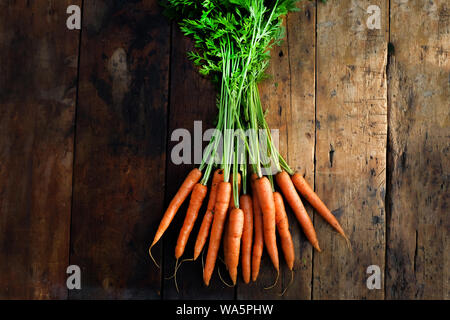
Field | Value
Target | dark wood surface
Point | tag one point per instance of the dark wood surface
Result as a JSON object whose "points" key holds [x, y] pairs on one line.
{"points": [[38, 87], [86, 120], [120, 146], [418, 168]]}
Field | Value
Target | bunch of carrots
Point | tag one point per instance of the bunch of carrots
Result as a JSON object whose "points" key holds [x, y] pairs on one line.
{"points": [[233, 40]]}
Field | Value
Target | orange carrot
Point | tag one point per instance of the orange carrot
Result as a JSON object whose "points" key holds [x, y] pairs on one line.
{"points": [[232, 206], [292, 197], [185, 189], [225, 238], [220, 212], [267, 204], [247, 235], [208, 217], [233, 240], [203, 233], [308, 193], [197, 196], [283, 230], [258, 242]]}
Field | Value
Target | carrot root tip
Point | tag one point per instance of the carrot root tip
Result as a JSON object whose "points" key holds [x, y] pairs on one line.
{"points": [[275, 283], [349, 244], [151, 256], [203, 262], [175, 276], [178, 267], [289, 284], [223, 281]]}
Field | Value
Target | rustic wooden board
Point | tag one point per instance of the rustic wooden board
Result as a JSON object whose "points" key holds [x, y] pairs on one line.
{"points": [[288, 96], [120, 148], [351, 126], [136, 87], [192, 98], [38, 67], [300, 121], [419, 121]]}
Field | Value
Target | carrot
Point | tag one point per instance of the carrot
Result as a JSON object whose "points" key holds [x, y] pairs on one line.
{"points": [[225, 237], [258, 241], [283, 230], [267, 204], [308, 193], [208, 217], [220, 212], [232, 206], [247, 235], [203, 233], [292, 197], [185, 189], [197, 196], [233, 239]]}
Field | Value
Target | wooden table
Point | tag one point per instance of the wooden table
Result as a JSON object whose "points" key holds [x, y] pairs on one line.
{"points": [[85, 138]]}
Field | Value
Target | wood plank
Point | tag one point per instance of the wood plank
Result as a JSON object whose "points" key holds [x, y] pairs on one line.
{"points": [[300, 120], [192, 98], [38, 64], [289, 97], [120, 148], [418, 234], [351, 132]]}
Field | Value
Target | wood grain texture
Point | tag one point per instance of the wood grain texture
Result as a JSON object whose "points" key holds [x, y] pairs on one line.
{"points": [[419, 121], [300, 122], [38, 68], [192, 98], [136, 87], [351, 115], [120, 148]]}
